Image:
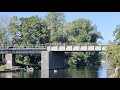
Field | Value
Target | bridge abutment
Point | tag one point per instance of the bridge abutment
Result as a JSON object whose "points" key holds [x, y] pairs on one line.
{"points": [[52, 60], [10, 60]]}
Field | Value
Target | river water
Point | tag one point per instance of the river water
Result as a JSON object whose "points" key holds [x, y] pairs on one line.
{"points": [[86, 72]]}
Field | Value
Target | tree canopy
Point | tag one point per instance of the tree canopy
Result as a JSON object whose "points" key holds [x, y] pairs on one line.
{"points": [[51, 29], [113, 50]]}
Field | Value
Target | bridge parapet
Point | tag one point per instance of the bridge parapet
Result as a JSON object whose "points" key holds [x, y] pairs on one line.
{"points": [[77, 44], [33, 48], [22, 46], [77, 48]]}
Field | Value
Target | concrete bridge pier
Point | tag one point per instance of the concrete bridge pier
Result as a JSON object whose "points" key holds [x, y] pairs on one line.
{"points": [[10, 60], [51, 60]]}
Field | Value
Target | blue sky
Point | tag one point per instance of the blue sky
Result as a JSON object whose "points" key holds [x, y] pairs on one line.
{"points": [[106, 22]]}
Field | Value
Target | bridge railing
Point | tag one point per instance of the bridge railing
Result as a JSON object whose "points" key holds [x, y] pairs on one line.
{"points": [[6, 46], [74, 44]]}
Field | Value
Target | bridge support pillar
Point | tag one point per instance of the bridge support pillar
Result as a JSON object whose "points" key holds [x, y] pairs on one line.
{"points": [[10, 60], [52, 60]]}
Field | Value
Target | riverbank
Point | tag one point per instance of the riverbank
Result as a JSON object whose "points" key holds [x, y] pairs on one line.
{"points": [[4, 71], [14, 69]]}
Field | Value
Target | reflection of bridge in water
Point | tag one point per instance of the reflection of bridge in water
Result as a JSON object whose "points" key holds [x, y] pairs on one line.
{"points": [[52, 56]]}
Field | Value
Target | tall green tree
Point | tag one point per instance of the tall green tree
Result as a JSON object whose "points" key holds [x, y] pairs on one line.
{"points": [[82, 31], [34, 30], [13, 28], [116, 33], [113, 49], [55, 22], [4, 37], [113, 54]]}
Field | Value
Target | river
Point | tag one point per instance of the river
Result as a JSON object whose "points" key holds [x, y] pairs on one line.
{"points": [[86, 72]]}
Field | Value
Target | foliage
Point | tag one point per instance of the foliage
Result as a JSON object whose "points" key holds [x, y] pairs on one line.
{"points": [[33, 31], [13, 29], [82, 31], [116, 33], [113, 50], [2, 67], [4, 39], [113, 54], [55, 22], [78, 59], [51, 29]]}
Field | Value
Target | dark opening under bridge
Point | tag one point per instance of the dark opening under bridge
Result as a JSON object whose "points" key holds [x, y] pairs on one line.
{"points": [[52, 56]]}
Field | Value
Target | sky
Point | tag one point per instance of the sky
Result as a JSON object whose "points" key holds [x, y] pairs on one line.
{"points": [[106, 22]]}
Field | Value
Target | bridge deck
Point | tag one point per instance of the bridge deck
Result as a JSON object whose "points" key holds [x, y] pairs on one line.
{"points": [[22, 50], [77, 48], [64, 48]]}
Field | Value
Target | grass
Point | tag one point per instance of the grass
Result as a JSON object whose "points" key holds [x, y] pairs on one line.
{"points": [[2, 67]]}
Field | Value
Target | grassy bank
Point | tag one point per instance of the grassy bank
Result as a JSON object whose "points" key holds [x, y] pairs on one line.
{"points": [[2, 67]]}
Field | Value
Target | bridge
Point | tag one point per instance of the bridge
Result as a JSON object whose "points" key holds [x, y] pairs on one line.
{"points": [[52, 56], [76, 48], [36, 49]]}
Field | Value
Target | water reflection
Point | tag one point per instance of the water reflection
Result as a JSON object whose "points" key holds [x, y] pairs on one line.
{"points": [[81, 73], [6, 75], [45, 74], [35, 74], [75, 73], [102, 71], [85, 72]]}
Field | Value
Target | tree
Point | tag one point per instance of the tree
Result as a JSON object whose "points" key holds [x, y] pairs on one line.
{"points": [[113, 54], [4, 38], [13, 28], [34, 30], [55, 22], [116, 33], [112, 51], [82, 31]]}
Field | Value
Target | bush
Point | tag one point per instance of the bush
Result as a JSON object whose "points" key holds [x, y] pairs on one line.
{"points": [[78, 59], [2, 63], [113, 55]]}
